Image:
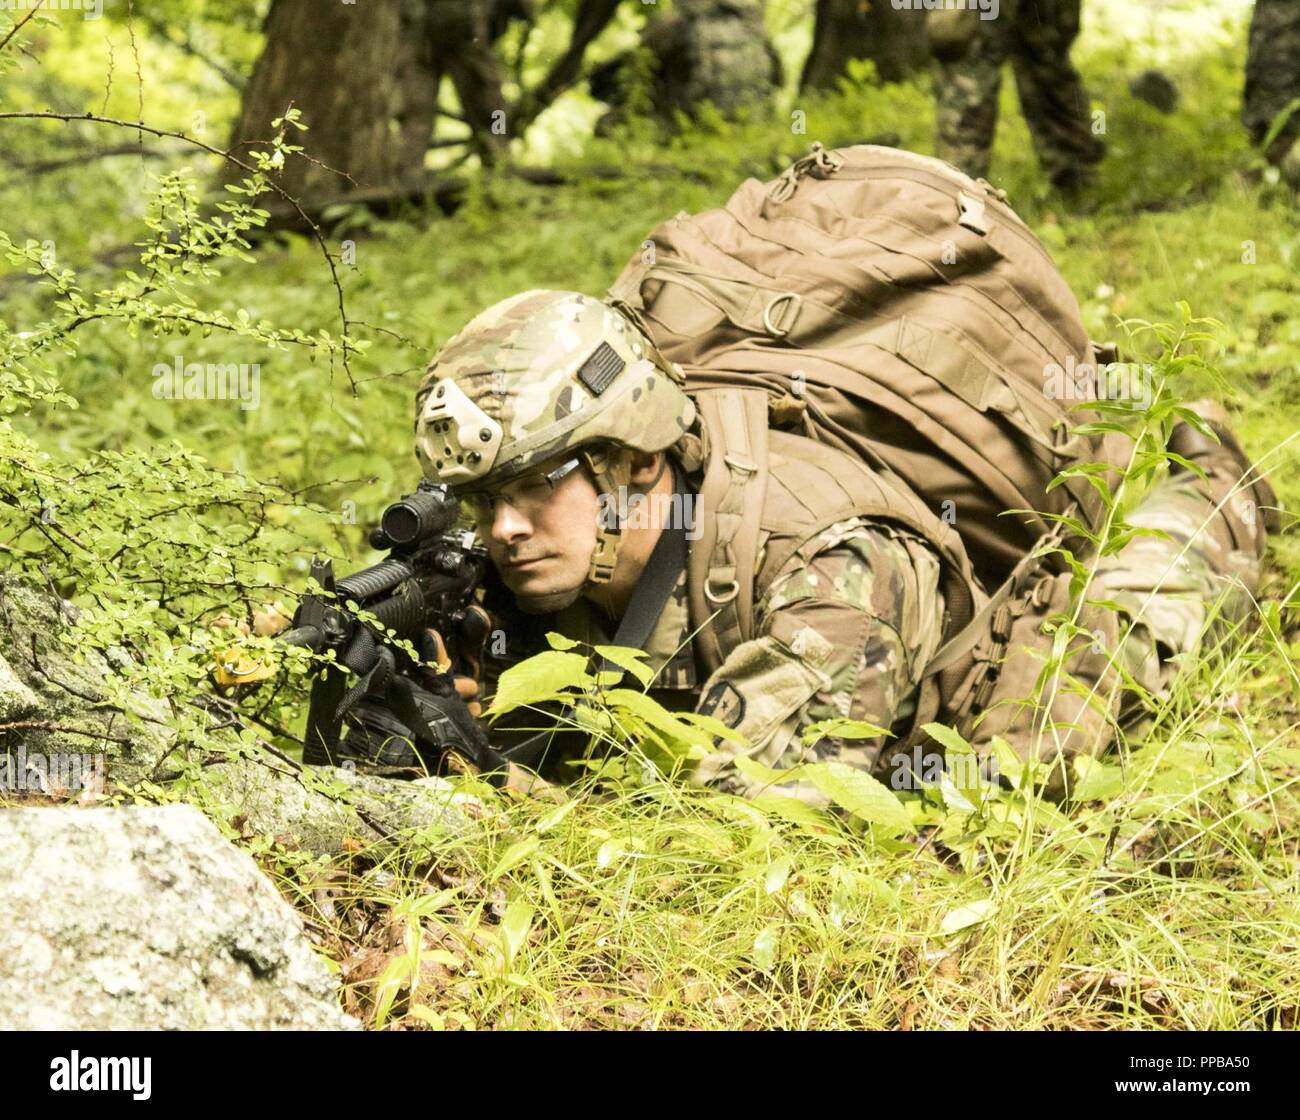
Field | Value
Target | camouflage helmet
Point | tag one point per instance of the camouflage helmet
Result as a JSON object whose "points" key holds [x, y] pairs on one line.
{"points": [[539, 373]]}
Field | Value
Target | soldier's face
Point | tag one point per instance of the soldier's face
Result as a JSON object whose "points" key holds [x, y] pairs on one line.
{"points": [[541, 537]]}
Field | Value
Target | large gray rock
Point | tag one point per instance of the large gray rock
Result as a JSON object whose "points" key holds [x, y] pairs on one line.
{"points": [[146, 918]]}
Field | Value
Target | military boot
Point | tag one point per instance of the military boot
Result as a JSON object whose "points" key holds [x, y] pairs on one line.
{"points": [[1249, 509]]}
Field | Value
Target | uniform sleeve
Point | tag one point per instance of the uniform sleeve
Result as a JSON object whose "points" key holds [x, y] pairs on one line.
{"points": [[844, 633]]}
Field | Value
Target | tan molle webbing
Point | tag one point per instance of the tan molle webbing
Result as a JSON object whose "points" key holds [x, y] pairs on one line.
{"points": [[720, 574], [828, 487], [914, 313], [959, 366], [807, 487]]}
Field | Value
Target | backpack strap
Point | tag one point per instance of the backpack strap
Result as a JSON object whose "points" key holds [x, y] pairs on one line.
{"points": [[952, 664], [722, 564], [724, 579]]}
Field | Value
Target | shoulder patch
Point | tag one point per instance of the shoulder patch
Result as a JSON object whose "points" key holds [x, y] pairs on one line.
{"points": [[601, 368], [724, 701]]}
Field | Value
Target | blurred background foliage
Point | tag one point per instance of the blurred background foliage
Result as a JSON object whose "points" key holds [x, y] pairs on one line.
{"points": [[1181, 204]]}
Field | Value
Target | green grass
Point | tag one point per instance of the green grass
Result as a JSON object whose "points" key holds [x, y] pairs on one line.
{"points": [[669, 907]]}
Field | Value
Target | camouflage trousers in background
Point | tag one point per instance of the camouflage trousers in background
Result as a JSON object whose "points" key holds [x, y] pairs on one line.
{"points": [[1035, 36], [1273, 79]]}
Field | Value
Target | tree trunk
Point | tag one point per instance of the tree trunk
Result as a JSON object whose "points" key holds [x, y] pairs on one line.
{"points": [[893, 39], [363, 79]]}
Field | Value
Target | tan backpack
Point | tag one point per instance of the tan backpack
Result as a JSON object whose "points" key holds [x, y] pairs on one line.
{"points": [[886, 304]]}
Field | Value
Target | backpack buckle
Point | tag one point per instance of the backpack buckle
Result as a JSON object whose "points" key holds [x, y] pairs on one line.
{"points": [[790, 303], [720, 598], [970, 213]]}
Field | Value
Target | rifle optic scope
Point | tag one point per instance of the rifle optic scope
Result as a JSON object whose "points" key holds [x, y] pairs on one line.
{"points": [[417, 518]]}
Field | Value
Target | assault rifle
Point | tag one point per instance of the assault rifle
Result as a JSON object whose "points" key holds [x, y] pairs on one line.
{"points": [[427, 581]]}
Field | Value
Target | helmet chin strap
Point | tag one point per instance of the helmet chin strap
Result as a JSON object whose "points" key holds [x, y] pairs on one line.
{"points": [[612, 470]]}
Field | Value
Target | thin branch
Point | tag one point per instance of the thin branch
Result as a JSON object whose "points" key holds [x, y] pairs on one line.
{"points": [[47, 725], [162, 133], [42, 167], [17, 27]]}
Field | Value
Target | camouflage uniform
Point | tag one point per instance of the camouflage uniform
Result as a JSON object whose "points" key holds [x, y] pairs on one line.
{"points": [[867, 615], [1036, 35], [1273, 80], [459, 36], [1191, 585], [844, 635], [703, 50], [844, 627]]}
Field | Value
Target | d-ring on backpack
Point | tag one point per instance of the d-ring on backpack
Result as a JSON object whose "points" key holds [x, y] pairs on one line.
{"points": [[889, 306]]}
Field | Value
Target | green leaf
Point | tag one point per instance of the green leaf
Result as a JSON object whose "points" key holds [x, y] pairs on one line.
{"points": [[559, 641], [765, 946], [428, 904], [555, 816], [543, 677], [765, 775], [953, 796], [428, 1015], [714, 726], [841, 728], [519, 851], [1098, 781], [778, 871], [860, 794], [950, 740], [629, 659], [658, 717], [515, 926], [972, 914], [394, 978], [795, 811], [609, 851], [1099, 427], [1279, 122]]}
